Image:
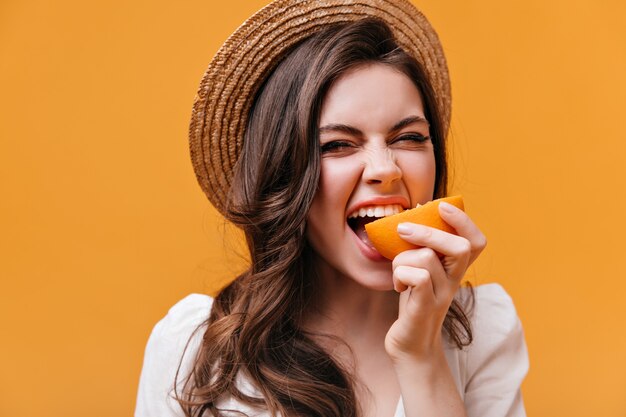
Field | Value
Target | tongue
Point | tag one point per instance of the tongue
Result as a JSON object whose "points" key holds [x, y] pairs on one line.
{"points": [[360, 230]]}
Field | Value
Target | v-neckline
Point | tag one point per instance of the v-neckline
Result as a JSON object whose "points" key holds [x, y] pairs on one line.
{"points": [[399, 407]]}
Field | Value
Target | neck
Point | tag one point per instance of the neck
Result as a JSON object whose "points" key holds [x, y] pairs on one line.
{"points": [[345, 309], [357, 320]]}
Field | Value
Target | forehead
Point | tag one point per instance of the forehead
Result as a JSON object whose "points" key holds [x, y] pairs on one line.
{"points": [[372, 95]]}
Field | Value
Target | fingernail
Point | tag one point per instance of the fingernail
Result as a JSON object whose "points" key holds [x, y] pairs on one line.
{"points": [[404, 229], [447, 207]]}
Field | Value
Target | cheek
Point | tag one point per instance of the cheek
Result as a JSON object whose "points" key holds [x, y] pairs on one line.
{"points": [[419, 173], [337, 182], [338, 179]]}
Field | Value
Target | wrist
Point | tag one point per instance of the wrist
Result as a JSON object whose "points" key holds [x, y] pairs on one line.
{"points": [[426, 365], [416, 354]]}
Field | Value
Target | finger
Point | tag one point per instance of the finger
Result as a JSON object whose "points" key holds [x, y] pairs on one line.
{"points": [[426, 258], [456, 249], [422, 257], [419, 282], [464, 226], [417, 290], [443, 242]]}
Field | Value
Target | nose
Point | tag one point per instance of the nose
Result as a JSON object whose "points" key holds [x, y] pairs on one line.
{"points": [[381, 167]]}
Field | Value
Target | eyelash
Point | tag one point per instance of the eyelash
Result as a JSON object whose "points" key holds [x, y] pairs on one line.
{"points": [[414, 137], [338, 144], [334, 145]]}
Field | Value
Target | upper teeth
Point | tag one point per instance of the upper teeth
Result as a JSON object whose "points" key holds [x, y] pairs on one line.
{"points": [[376, 211]]}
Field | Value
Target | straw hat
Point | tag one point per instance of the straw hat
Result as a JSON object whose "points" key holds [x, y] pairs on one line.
{"points": [[221, 107]]}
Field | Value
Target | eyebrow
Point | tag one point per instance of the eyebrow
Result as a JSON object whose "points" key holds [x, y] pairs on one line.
{"points": [[338, 127]]}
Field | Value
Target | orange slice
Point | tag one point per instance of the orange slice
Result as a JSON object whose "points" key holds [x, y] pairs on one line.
{"points": [[383, 233]]}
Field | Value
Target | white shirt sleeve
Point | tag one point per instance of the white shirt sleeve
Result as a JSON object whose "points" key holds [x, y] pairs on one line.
{"points": [[497, 360], [163, 355]]}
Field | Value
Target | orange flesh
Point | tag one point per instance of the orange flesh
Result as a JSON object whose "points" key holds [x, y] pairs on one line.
{"points": [[383, 233]]}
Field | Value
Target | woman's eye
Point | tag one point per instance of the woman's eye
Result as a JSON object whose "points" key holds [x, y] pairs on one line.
{"points": [[413, 137], [334, 146]]}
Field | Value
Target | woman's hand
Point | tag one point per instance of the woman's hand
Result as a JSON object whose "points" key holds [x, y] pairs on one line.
{"points": [[428, 278]]}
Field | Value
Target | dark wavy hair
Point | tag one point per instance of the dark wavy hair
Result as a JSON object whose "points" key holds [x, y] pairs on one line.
{"points": [[254, 328]]}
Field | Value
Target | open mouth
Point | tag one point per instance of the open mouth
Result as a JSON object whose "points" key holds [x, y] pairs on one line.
{"points": [[359, 218]]}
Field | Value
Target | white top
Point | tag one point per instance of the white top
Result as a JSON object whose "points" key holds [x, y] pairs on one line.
{"points": [[488, 373]]}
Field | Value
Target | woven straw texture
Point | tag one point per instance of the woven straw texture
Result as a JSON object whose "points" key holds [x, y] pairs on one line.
{"points": [[228, 87]]}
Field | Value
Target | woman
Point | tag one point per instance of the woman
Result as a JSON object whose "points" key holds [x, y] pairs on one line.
{"points": [[314, 118]]}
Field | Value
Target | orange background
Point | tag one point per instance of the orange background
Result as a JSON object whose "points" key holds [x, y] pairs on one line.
{"points": [[104, 227]]}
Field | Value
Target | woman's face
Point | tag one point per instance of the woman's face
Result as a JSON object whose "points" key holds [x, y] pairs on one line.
{"points": [[377, 158]]}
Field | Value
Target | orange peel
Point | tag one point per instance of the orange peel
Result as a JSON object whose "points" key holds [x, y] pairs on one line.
{"points": [[383, 233]]}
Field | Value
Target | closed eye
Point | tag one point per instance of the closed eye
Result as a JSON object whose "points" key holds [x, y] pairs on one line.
{"points": [[335, 146], [413, 137]]}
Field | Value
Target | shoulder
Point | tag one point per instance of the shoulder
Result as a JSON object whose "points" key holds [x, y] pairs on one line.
{"points": [[180, 323], [173, 342], [496, 362], [496, 326], [491, 311], [494, 310], [185, 314]]}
